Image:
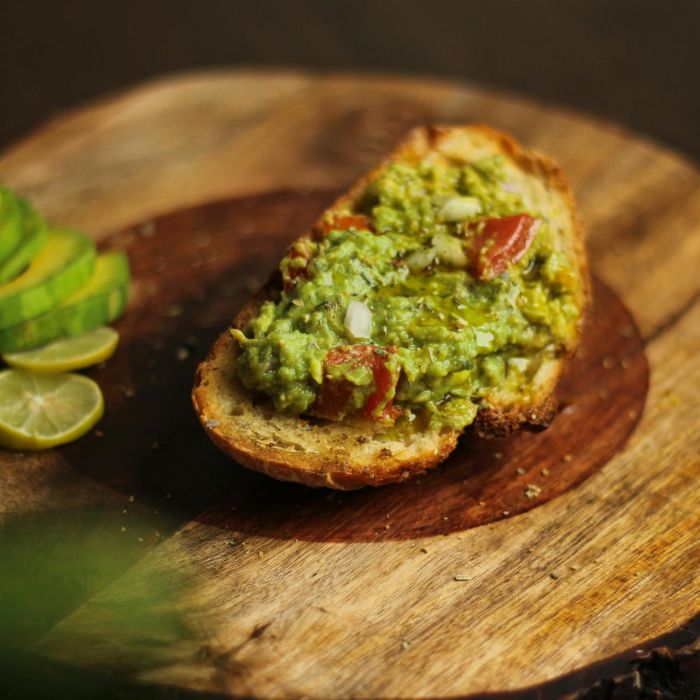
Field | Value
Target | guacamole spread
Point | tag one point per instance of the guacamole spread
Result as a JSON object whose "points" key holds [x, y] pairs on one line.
{"points": [[438, 287]]}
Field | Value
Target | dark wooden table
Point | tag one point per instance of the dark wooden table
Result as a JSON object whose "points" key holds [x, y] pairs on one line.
{"points": [[634, 62]]}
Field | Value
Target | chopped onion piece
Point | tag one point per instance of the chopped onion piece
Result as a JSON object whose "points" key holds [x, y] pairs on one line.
{"points": [[421, 259], [358, 320], [520, 363], [459, 209], [449, 250], [483, 338]]}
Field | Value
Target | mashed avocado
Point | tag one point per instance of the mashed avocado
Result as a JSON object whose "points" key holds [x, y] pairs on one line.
{"points": [[456, 289]]}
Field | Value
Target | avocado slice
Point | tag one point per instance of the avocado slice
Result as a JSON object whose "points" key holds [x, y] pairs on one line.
{"points": [[98, 302], [10, 223], [62, 265], [33, 238]]}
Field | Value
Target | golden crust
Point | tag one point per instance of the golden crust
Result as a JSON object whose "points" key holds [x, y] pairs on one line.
{"points": [[348, 456]]}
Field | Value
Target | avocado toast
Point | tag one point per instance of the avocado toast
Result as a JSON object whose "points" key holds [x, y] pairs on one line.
{"points": [[445, 290]]}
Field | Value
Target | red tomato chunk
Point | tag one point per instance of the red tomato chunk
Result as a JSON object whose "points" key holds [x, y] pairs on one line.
{"points": [[499, 243], [335, 394]]}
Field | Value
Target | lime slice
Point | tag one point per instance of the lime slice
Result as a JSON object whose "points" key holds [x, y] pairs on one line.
{"points": [[38, 411], [67, 354]]}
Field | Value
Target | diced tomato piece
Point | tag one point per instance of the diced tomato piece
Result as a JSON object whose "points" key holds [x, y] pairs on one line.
{"points": [[343, 222], [299, 250], [335, 394], [499, 243]]}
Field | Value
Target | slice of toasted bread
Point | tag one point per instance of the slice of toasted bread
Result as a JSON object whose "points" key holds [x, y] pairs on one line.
{"points": [[348, 455]]}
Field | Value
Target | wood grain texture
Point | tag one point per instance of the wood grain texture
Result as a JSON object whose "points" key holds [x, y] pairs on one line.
{"points": [[223, 607]]}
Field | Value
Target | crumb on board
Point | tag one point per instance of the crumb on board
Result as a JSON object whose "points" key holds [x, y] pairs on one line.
{"points": [[532, 491]]}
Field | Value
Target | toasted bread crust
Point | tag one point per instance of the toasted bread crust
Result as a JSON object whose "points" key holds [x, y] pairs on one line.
{"points": [[348, 455]]}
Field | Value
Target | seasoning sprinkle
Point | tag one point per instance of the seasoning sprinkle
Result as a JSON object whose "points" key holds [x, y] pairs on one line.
{"points": [[462, 577], [520, 471], [544, 471], [554, 575], [405, 644], [568, 458]]}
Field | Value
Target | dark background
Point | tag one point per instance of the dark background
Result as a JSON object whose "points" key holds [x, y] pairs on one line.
{"points": [[634, 62]]}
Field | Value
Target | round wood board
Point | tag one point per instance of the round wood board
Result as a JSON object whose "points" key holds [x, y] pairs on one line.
{"points": [[215, 579]]}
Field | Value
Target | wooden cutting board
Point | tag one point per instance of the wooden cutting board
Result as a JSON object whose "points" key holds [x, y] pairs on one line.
{"points": [[141, 551]]}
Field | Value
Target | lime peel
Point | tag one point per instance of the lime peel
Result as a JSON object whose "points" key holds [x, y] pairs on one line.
{"points": [[67, 354]]}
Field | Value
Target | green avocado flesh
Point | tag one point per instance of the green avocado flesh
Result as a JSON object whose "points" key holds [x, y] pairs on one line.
{"points": [[98, 302], [10, 223], [61, 266], [436, 335], [32, 239]]}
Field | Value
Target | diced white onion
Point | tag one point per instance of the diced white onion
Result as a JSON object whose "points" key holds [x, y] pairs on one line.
{"points": [[420, 259], [358, 320], [459, 209], [520, 363], [449, 250], [483, 338]]}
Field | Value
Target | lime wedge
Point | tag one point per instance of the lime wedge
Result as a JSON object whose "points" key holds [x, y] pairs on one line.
{"points": [[38, 411], [67, 354]]}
